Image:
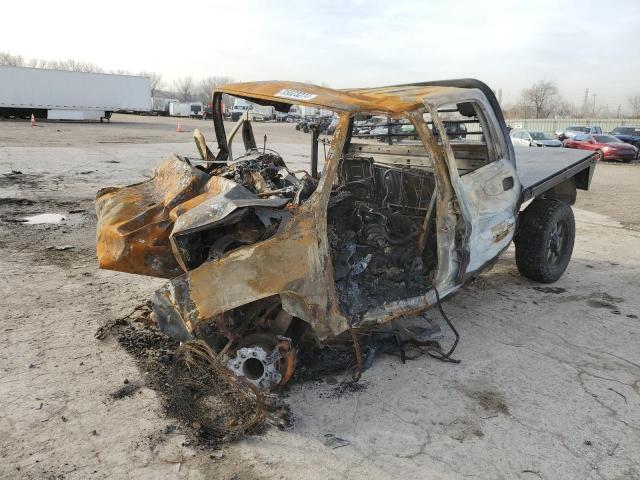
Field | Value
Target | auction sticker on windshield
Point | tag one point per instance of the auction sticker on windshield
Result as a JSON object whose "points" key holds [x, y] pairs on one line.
{"points": [[295, 94]]}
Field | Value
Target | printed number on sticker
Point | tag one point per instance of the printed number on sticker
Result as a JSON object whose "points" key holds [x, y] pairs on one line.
{"points": [[295, 94]]}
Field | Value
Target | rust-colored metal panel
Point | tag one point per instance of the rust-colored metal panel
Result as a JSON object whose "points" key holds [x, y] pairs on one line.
{"points": [[134, 222], [392, 100]]}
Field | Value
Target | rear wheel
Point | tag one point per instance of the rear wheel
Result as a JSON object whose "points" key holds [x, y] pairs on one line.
{"points": [[545, 238]]}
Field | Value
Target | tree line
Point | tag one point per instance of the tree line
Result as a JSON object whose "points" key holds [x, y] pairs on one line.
{"points": [[186, 89], [540, 100], [543, 100]]}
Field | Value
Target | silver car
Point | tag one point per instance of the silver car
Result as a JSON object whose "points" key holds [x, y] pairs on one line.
{"points": [[571, 132], [526, 138]]}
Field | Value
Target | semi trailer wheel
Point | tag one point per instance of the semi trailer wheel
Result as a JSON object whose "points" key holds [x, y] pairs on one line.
{"points": [[544, 241]]}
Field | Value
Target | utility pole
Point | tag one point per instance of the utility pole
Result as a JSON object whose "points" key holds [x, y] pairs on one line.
{"points": [[594, 103], [619, 109]]}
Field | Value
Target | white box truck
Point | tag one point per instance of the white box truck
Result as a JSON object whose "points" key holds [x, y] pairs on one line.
{"points": [[62, 95], [186, 109], [257, 113]]}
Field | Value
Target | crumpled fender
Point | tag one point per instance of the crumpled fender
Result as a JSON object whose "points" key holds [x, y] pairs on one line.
{"points": [[134, 222]]}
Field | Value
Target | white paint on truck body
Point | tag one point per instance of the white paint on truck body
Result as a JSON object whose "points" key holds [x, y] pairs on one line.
{"points": [[489, 196], [492, 212]]}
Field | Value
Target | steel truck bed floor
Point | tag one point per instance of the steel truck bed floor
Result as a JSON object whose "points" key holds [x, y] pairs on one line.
{"points": [[540, 169]]}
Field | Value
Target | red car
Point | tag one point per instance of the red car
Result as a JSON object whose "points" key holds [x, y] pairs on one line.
{"points": [[607, 147]]}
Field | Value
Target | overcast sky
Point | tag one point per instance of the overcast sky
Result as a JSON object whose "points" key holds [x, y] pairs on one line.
{"points": [[509, 45]]}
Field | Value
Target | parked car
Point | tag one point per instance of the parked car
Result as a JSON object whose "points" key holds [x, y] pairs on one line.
{"points": [[364, 127], [526, 138], [571, 132], [287, 117], [381, 132], [628, 135], [321, 123], [607, 147], [304, 124], [455, 130]]}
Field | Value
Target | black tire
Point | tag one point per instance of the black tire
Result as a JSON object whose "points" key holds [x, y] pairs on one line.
{"points": [[545, 238]]}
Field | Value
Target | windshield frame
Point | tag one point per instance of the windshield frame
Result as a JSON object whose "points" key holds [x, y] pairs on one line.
{"points": [[339, 140]]}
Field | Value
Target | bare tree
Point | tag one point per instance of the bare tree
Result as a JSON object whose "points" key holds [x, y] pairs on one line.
{"points": [[10, 60], [184, 88], [36, 63], [70, 65], [634, 105], [206, 86], [542, 97], [565, 109], [155, 80]]}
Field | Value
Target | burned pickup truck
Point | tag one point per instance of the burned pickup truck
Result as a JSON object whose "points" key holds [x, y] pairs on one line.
{"points": [[263, 255]]}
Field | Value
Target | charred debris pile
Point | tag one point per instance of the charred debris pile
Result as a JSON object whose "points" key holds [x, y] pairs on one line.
{"points": [[265, 174], [259, 185], [208, 400], [213, 405]]}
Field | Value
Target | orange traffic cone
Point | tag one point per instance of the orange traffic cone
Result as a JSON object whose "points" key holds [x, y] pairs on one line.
{"points": [[33, 120], [179, 128]]}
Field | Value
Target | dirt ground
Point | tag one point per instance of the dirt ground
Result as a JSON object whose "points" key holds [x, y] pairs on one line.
{"points": [[124, 129], [548, 385]]}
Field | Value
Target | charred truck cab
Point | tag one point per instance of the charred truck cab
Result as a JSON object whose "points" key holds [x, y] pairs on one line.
{"points": [[262, 256]]}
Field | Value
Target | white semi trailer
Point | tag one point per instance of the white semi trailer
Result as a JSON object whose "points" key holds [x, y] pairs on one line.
{"points": [[62, 95]]}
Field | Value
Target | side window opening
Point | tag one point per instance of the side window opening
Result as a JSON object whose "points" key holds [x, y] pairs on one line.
{"points": [[381, 216], [467, 130], [390, 130]]}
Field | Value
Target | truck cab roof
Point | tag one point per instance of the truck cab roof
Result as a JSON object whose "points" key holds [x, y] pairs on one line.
{"points": [[389, 100]]}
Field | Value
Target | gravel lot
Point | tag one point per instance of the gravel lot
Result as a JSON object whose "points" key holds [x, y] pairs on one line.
{"points": [[548, 385]]}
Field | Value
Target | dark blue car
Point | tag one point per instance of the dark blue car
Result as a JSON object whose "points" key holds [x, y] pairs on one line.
{"points": [[628, 135]]}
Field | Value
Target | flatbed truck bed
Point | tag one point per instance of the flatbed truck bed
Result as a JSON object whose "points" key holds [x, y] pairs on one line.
{"points": [[541, 169]]}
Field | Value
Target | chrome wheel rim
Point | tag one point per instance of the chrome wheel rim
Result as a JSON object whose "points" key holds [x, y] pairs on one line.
{"points": [[557, 241]]}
